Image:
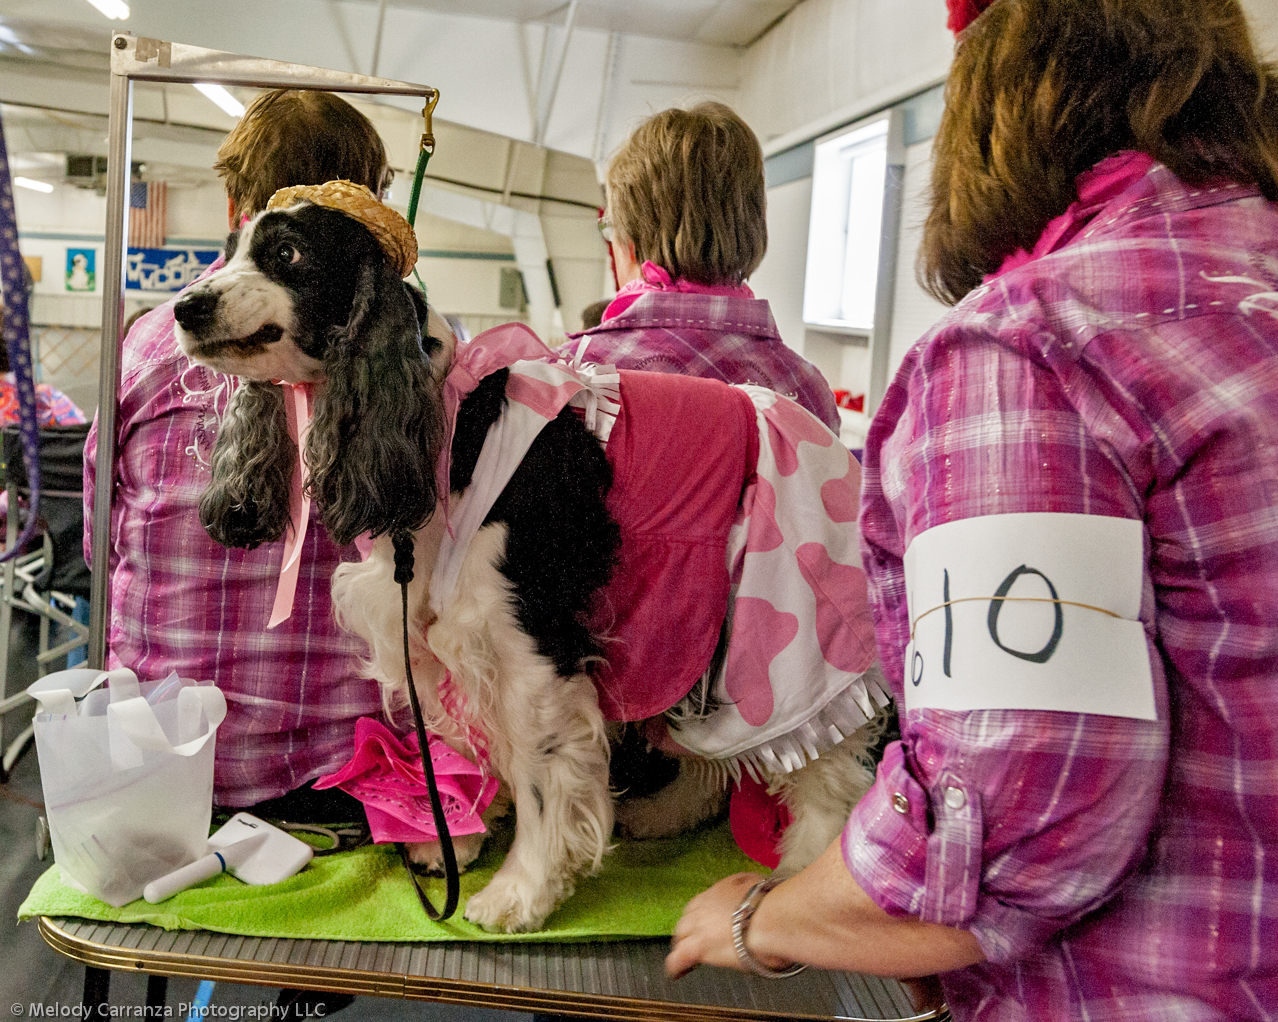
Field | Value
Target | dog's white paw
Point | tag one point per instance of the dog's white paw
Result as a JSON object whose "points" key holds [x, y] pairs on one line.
{"points": [[430, 855], [513, 902]]}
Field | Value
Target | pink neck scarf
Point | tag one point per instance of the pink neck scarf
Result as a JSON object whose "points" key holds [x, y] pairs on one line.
{"points": [[1105, 181], [655, 278]]}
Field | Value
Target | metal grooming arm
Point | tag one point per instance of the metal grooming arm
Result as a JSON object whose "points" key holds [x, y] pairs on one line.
{"points": [[138, 59]]}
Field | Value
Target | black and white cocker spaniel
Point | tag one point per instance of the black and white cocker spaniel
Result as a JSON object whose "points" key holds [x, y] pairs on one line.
{"points": [[308, 296]]}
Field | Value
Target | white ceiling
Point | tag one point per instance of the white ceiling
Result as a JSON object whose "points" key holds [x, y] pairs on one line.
{"points": [[503, 66], [717, 22], [713, 22]]}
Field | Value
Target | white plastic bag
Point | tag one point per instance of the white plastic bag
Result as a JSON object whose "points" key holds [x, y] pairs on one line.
{"points": [[127, 775]]}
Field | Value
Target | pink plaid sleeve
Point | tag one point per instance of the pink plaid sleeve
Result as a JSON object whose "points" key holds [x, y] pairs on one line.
{"points": [[1012, 824]]}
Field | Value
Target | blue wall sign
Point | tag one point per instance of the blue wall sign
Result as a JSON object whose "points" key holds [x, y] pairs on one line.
{"points": [[165, 269]]}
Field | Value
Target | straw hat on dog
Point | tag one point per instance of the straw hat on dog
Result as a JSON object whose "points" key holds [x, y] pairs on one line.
{"points": [[392, 231]]}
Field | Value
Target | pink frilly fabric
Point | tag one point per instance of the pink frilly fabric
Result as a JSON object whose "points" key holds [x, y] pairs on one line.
{"points": [[386, 775], [1096, 187], [656, 278], [494, 349]]}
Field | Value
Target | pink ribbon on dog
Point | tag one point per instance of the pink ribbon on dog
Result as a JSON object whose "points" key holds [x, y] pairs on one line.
{"points": [[457, 706], [494, 349], [498, 348], [385, 773], [297, 411]]}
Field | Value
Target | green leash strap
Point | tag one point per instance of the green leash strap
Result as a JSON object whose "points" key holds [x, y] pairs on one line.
{"points": [[403, 543], [423, 158]]}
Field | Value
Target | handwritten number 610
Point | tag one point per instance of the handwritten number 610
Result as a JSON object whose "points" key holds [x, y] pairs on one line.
{"points": [[1040, 656]]}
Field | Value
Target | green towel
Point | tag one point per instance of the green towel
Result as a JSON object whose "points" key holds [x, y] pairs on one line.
{"points": [[366, 895]]}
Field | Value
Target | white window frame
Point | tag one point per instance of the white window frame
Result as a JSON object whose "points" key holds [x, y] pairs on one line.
{"points": [[850, 278]]}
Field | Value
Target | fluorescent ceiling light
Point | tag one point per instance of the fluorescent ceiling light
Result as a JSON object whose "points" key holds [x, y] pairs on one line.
{"points": [[35, 186], [222, 98], [116, 10]]}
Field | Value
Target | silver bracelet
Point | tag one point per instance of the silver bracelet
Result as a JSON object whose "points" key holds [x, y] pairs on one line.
{"points": [[741, 922]]}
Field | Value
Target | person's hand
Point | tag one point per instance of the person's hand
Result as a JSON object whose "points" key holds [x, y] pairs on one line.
{"points": [[820, 917], [703, 935]]}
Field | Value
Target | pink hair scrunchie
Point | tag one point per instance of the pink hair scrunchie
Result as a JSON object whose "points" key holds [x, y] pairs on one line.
{"points": [[964, 12]]}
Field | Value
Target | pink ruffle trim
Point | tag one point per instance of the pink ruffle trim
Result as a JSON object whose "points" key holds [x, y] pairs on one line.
{"points": [[386, 775], [1103, 183], [657, 278]]}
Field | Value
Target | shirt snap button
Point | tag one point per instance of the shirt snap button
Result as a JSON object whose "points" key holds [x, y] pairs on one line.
{"points": [[954, 798], [901, 804]]}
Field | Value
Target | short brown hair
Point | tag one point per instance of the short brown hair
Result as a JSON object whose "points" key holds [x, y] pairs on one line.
{"points": [[299, 137], [1041, 90], [687, 188]]}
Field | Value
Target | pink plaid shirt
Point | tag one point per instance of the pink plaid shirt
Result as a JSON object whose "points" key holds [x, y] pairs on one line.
{"points": [[180, 601], [1111, 868], [720, 337]]}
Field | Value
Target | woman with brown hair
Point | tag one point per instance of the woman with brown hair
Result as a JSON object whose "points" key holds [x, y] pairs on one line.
{"points": [[1079, 464], [296, 691], [687, 226]]}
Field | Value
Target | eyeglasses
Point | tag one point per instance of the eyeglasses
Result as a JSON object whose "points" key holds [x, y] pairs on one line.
{"points": [[605, 227]]}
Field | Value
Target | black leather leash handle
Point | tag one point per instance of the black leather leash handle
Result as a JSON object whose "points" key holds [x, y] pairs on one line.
{"points": [[402, 540]]}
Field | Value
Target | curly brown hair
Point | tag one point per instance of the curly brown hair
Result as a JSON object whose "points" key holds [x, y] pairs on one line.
{"points": [[1041, 90], [299, 137], [687, 188]]}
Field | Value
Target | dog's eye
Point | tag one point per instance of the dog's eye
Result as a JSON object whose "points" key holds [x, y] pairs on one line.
{"points": [[288, 254]]}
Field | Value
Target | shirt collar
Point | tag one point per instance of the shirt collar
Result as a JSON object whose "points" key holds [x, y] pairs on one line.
{"points": [[1119, 188]]}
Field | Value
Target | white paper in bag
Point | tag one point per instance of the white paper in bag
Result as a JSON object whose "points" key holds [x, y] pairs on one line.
{"points": [[128, 781]]}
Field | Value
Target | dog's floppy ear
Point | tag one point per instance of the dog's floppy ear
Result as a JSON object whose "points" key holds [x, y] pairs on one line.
{"points": [[247, 502], [377, 430]]}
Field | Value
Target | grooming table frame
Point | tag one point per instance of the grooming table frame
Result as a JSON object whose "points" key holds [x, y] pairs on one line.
{"points": [[617, 980]]}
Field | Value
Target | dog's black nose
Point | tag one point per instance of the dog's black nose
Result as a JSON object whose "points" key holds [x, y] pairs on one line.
{"points": [[195, 310]]}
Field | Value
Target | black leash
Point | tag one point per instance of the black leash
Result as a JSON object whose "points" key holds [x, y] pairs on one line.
{"points": [[402, 540]]}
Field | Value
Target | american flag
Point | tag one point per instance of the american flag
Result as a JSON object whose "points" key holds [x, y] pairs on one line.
{"points": [[148, 207]]}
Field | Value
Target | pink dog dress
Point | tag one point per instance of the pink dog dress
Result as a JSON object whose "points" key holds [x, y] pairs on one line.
{"points": [[735, 505]]}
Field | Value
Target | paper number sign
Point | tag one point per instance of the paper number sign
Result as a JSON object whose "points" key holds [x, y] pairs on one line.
{"points": [[1005, 629]]}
